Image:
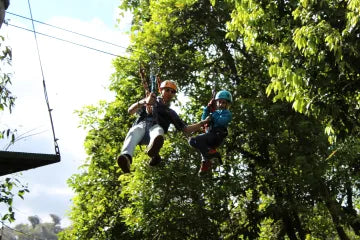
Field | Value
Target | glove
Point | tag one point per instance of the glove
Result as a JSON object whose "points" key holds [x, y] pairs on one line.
{"points": [[150, 100], [211, 103]]}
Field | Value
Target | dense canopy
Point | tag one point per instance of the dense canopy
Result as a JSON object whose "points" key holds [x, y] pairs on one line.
{"points": [[291, 160]]}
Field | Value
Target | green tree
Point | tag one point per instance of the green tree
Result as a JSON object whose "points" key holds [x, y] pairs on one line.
{"points": [[282, 178], [311, 50], [34, 220]]}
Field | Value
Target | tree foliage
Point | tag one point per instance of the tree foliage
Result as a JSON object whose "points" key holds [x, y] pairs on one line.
{"points": [[311, 50], [7, 100], [7, 187], [291, 159], [10, 187]]}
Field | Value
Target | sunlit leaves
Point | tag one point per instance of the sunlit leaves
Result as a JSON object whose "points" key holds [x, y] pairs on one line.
{"points": [[314, 41], [9, 189], [353, 15], [329, 130], [287, 85], [246, 20]]}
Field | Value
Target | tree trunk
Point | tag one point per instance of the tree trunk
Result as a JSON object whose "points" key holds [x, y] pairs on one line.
{"points": [[350, 211], [298, 226], [335, 210], [289, 226]]}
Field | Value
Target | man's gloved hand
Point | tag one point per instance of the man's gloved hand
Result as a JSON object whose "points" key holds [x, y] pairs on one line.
{"points": [[150, 100]]}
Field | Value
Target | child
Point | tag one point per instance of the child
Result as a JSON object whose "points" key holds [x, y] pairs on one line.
{"points": [[217, 131]]}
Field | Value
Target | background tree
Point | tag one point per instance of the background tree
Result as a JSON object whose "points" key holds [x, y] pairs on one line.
{"points": [[36, 229], [291, 158], [34, 220]]}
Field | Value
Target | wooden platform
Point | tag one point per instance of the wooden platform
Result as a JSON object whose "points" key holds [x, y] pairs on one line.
{"points": [[11, 162]]}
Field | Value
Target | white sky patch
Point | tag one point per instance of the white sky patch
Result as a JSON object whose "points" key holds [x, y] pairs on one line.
{"points": [[38, 190], [75, 76], [125, 22], [22, 216]]}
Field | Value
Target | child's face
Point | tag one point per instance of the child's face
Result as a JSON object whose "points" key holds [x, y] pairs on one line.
{"points": [[221, 104]]}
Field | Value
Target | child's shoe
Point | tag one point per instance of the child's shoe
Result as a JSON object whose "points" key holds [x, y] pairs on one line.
{"points": [[205, 167], [213, 154]]}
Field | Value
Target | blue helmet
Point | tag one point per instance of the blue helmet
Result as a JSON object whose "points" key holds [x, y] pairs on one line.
{"points": [[223, 94]]}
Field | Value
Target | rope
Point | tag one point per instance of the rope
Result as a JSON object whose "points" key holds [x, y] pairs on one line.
{"points": [[57, 150]]}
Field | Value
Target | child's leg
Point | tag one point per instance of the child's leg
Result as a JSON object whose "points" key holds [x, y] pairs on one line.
{"points": [[201, 142], [206, 144]]}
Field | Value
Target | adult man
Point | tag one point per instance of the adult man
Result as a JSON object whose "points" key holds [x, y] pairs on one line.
{"points": [[155, 117]]}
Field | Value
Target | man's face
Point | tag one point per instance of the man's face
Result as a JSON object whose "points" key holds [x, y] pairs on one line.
{"points": [[168, 94]]}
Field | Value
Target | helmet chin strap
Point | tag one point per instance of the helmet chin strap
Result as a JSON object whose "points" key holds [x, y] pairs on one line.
{"points": [[166, 102]]}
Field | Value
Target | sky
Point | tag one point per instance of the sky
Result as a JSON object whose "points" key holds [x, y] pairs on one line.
{"points": [[75, 76]]}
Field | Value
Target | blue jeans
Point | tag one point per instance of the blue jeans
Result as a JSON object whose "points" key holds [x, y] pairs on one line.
{"points": [[141, 133], [205, 142]]}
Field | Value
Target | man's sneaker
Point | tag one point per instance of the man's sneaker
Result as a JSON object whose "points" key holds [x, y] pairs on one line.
{"points": [[124, 161], [155, 160], [205, 167], [155, 146]]}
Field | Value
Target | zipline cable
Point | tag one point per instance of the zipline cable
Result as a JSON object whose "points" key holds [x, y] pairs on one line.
{"points": [[66, 30], [57, 150], [60, 39], [73, 32]]}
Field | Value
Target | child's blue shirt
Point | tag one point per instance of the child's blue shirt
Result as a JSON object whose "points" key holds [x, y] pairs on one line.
{"points": [[219, 118]]}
